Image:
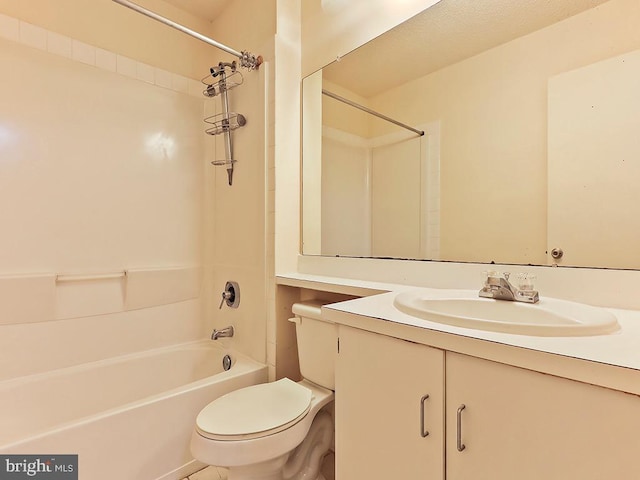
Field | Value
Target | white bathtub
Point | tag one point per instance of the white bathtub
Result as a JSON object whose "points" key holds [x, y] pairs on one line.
{"points": [[127, 418]]}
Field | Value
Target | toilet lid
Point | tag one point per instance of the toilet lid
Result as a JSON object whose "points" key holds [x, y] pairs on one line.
{"points": [[255, 411]]}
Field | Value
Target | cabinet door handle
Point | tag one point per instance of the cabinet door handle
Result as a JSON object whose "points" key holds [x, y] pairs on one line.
{"points": [[461, 446], [423, 432]]}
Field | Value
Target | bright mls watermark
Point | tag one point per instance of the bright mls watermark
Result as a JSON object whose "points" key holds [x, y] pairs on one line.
{"points": [[39, 467]]}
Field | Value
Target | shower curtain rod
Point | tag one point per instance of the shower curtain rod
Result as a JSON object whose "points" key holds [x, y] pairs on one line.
{"points": [[372, 112], [247, 60]]}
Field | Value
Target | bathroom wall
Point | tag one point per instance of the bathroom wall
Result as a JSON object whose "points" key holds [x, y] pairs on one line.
{"points": [[102, 186], [237, 216], [284, 212], [109, 26]]}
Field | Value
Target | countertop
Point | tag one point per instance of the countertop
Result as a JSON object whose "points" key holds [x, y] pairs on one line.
{"points": [[611, 360]]}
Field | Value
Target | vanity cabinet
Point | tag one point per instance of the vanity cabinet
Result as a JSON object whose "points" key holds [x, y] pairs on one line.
{"points": [[519, 424], [384, 388], [485, 420]]}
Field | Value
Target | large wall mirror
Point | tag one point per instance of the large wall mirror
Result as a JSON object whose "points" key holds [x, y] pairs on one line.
{"points": [[481, 131]]}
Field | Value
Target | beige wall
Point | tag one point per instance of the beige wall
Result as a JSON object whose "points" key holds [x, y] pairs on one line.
{"points": [[239, 236], [105, 24]]}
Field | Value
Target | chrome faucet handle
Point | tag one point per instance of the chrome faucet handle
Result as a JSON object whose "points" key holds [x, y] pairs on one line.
{"points": [[231, 295], [226, 295], [526, 281]]}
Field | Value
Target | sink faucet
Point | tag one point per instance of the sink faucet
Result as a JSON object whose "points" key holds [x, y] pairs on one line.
{"points": [[224, 332], [497, 286]]}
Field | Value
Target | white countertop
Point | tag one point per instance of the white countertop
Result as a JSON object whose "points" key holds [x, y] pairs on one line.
{"points": [[611, 360]]}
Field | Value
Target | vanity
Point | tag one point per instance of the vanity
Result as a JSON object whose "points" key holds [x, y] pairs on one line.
{"points": [[426, 399], [420, 399]]}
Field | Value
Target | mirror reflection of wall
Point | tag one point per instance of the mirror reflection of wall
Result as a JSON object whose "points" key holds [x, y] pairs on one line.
{"points": [[488, 78], [379, 194]]}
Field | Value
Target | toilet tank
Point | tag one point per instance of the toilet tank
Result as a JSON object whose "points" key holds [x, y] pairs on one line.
{"points": [[317, 343]]}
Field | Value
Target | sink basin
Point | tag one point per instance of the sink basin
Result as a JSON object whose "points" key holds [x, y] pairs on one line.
{"points": [[549, 317]]}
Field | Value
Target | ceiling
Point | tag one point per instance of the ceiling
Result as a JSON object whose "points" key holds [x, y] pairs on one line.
{"points": [[206, 9], [444, 34]]}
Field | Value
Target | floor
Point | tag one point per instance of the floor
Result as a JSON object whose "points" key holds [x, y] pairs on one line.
{"points": [[219, 473], [209, 473]]}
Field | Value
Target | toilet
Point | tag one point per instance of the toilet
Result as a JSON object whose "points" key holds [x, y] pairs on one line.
{"points": [[278, 430]]}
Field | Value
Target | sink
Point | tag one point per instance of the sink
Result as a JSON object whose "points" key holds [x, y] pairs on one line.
{"points": [[549, 317]]}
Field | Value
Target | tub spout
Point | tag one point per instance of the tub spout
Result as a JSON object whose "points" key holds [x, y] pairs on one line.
{"points": [[224, 332]]}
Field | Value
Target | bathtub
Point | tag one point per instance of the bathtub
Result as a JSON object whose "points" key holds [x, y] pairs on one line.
{"points": [[128, 417]]}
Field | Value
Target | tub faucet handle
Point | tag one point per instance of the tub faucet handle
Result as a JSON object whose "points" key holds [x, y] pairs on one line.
{"points": [[226, 295], [231, 295]]}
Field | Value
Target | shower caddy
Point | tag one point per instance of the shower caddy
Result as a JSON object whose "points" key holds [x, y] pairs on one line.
{"points": [[221, 79]]}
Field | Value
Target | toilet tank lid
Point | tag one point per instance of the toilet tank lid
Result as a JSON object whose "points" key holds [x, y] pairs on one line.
{"points": [[309, 309]]}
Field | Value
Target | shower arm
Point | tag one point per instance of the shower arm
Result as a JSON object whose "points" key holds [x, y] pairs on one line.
{"points": [[247, 60]]}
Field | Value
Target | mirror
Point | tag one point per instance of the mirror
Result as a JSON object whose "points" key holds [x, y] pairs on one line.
{"points": [[529, 111]]}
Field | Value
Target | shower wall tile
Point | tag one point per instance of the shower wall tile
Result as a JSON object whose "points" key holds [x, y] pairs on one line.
{"points": [[126, 66], [145, 72], [271, 180], [195, 88], [106, 60], [272, 127], [271, 353], [33, 36], [9, 28], [271, 332], [179, 83], [61, 45], [58, 44], [271, 206], [83, 52], [163, 78]]}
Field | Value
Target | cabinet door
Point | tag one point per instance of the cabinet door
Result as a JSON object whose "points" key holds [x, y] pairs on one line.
{"points": [[524, 425], [381, 385]]}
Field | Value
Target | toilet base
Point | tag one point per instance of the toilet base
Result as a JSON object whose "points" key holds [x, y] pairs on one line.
{"points": [[303, 463]]}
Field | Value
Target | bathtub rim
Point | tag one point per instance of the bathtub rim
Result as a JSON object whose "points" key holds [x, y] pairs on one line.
{"points": [[83, 367], [243, 365]]}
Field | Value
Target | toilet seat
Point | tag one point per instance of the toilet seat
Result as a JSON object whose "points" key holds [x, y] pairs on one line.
{"points": [[254, 412]]}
